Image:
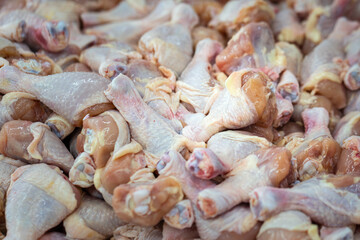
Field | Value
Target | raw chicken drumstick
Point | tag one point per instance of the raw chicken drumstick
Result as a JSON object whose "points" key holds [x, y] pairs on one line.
{"points": [[38, 199], [238, 222], [109, 59], [286, 26], [38, 33], [35, 143], [251, 47], [318, 152], [321, 69], [170, 44], [60, 91], [179, 120], [146, 126], [125, 10], [237, 13], [196, 84], [237, 106], [268, 167], [145, 203], [332, 201], [223, 153], [7, 167], [130, 31]]}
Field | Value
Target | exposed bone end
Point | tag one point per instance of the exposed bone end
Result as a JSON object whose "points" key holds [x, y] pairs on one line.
{"points": [[59, 125], [122, 165], [15, 31], [203, 163], [181, 215], [288, 87], [207, 206], [352, 78], [111, 69], [82, 172], [318, 155], [55, 34], [100, 135], [284, 111], [145, 203], [262, 203]]}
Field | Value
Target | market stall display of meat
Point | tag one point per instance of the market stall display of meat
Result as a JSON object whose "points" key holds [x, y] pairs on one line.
{"points": [[179, 119]]}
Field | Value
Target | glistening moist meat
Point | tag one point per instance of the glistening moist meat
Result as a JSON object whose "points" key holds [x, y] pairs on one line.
{"points": [[167, 119]]}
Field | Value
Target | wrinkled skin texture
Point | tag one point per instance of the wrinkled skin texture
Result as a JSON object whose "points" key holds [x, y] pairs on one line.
{"points": [[31, 188], [156, 86], [132, 231], [86, 89], [238, 223], [93, 219]]}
